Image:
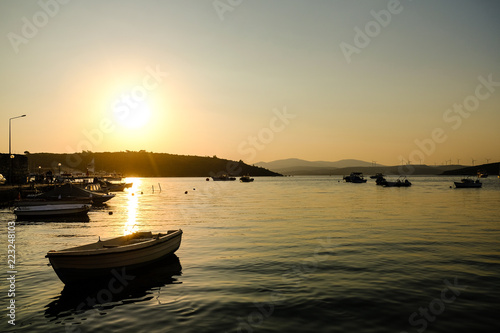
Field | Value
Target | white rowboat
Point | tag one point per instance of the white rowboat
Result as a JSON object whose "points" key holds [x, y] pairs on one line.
{"points": [[55, 210]]}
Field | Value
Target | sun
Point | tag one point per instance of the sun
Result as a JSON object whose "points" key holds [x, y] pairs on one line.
{"points": [[133, 116]]}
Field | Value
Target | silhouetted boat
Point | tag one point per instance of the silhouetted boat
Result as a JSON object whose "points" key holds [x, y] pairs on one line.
{"points": [[381, 181], [246, 179], [468, 183], [51, 210], [355, 177], [113, 185], [482, 174], [223, 178], [377, 175], [116, 187], [95, 186], [400, 182], [69, 191], [106, 258]]}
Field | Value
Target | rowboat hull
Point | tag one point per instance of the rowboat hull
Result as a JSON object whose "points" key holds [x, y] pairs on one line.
{"points": [[51, 210], [41, 202], [104, 259]]}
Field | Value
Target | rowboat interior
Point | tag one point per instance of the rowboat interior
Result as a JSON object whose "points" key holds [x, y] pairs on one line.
{"points": [[119, 242]]}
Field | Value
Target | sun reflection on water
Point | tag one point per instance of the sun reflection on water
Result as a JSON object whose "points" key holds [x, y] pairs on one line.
{"points": [[132, 205]]}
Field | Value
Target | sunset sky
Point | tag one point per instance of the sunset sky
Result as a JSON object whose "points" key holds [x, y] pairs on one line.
{"points": [[255, 80]]}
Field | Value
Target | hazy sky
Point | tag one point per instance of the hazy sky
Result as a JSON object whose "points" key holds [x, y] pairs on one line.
{"points": [[381, 81]]}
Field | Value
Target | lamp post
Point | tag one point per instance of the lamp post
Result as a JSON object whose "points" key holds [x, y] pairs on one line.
{"points": [[10, 150]]}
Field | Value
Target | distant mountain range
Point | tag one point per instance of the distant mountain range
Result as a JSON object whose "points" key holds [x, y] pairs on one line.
{"points": [[294, 166], [291, 165]]}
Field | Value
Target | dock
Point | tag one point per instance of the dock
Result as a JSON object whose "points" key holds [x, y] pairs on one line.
{"points": [[10, 193]]}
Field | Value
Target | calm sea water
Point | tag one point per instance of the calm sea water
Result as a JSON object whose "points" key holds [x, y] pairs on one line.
{"points": [[296, 254]]}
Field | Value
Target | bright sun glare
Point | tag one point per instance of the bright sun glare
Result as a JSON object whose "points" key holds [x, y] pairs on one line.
{"points": [[133, 117]]}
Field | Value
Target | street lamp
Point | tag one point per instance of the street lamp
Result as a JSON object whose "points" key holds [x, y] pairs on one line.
{"points": [[59, 165], [10, 151], [10, 130]]}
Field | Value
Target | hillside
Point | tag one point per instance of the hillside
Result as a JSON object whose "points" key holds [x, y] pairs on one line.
{"points": [[491, 169], [143, 164]]}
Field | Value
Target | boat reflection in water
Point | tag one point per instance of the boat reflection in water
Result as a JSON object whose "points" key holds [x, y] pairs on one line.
{"points": [[75, 301]]}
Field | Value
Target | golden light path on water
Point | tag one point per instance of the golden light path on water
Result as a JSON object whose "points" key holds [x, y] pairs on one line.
{"points": [[132, 205]]}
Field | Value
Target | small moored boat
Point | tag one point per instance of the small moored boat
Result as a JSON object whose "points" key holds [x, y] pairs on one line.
{"points": [[482, 174], [381, 181], [223, 178], [400, 182], [468, 183], [69, 191], [246, 179], [106, 258], [51, 210], [355, 177]]}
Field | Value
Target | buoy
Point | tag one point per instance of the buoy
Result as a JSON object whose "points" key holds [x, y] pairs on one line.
{"points": [[194, 189], [110, 213], [133, 194], [186, 192]]}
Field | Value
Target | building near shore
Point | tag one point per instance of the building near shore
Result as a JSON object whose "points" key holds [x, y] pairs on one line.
{"points": [[15, 169]]}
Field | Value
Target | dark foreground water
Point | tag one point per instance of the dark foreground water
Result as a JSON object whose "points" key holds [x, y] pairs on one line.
{"points": [[300, 254]]}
